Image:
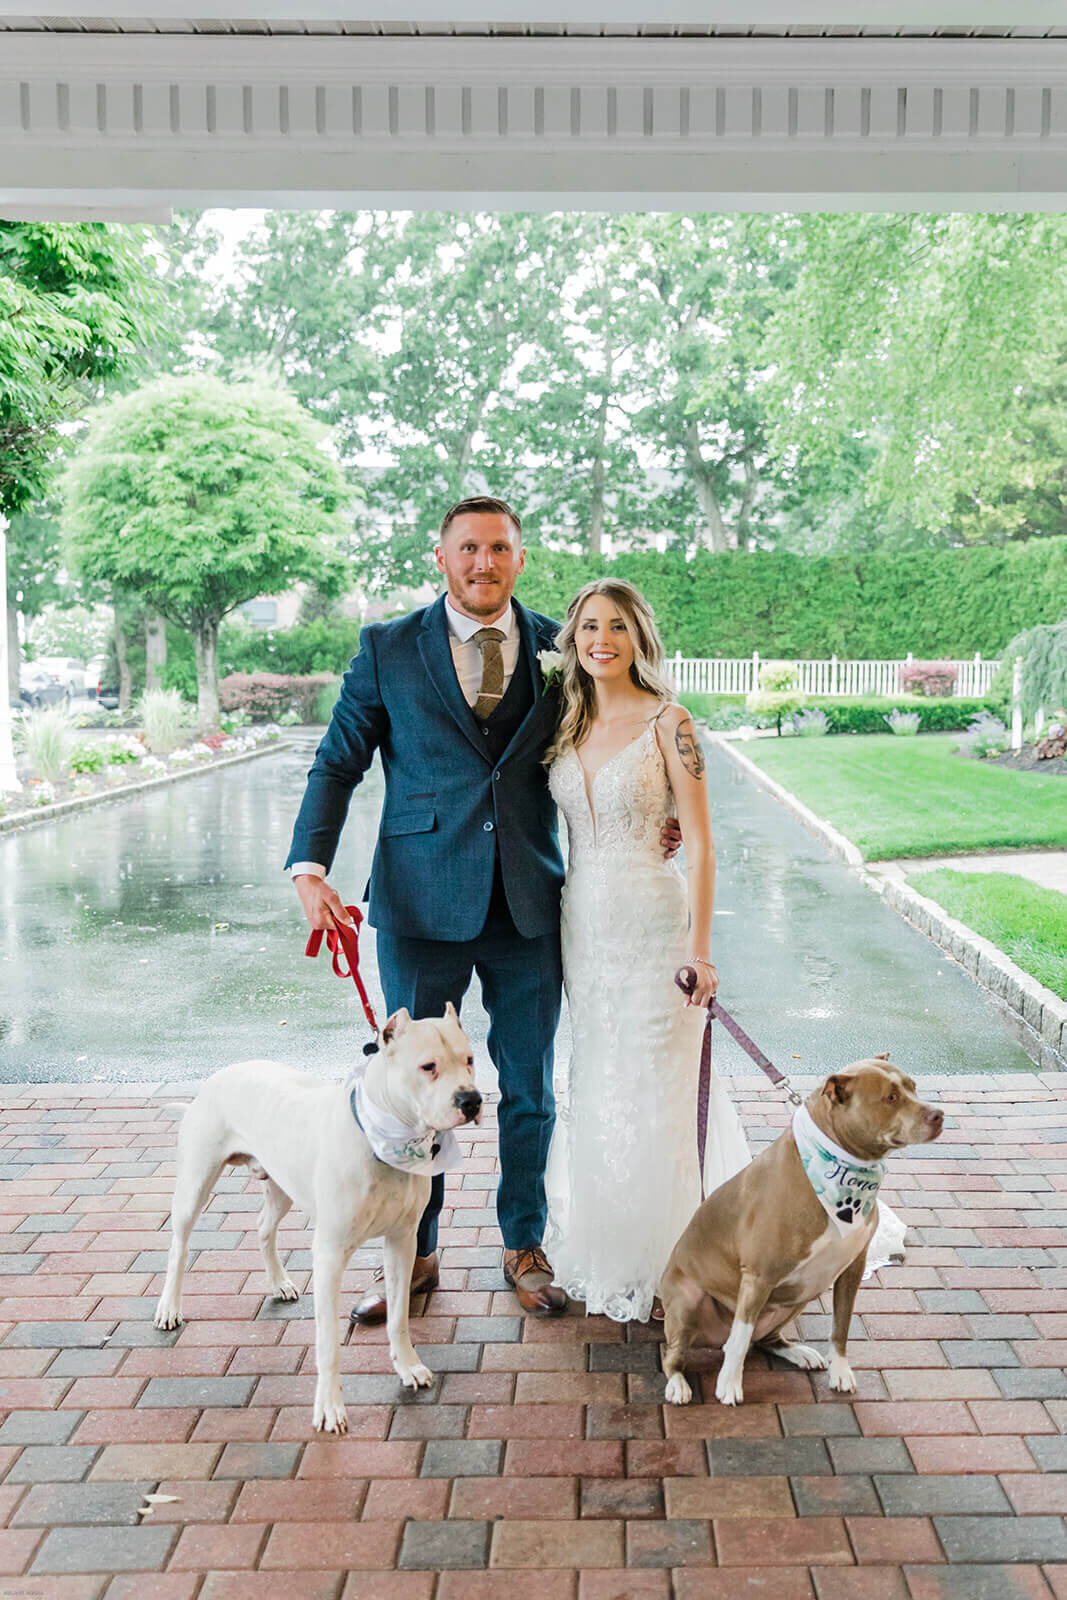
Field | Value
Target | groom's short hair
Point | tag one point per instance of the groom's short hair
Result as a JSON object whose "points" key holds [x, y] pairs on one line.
{"points": [[486, 504]]}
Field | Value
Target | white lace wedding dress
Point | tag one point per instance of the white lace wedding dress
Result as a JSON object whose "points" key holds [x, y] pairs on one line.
{"points": [[623, 1176]]}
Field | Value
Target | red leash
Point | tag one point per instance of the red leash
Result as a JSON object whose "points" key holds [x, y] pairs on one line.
{"points": [[686, 979], [344, 941]]}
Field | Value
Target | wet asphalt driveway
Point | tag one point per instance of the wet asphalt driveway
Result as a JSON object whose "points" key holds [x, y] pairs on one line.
{"points": [[158, 938]]}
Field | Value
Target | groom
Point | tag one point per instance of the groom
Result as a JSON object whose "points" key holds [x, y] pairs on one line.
{"points": [[467, 871]]}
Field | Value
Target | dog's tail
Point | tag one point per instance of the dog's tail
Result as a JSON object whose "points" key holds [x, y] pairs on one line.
{"points": [[180, 1106]]}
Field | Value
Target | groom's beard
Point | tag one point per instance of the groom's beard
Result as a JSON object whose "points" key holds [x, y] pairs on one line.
{"points": [[481, 599]]}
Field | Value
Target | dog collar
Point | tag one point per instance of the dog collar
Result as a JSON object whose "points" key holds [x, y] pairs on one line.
{"points": [[396, 1143], [846, 1187]]}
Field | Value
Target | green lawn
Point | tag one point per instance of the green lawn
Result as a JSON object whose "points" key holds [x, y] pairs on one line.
{"points": [[913, 797], [1028, 923]]}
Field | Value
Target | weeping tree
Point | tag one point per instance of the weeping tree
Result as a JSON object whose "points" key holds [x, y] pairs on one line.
{"points": [[194, 496], [1044, 668]]}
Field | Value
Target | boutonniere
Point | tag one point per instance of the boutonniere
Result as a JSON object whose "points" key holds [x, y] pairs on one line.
{"points": [[551, 664]]}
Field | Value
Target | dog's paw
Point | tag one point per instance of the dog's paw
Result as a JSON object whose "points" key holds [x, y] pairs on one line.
{"points": [[167, 1317], [677, 1392], [842, 1377], [286, 1290], [415, 1376], [801, 1355], [728, 1389], [329, 1415]]}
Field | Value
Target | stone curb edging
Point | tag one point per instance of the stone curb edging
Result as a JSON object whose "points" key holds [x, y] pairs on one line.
{"points": [[1039, 1008], [85, 802], [1044, 1013], [835, 842]]}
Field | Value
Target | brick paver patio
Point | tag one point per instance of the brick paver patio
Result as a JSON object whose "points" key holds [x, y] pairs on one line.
{"points": [[543, 1463]]}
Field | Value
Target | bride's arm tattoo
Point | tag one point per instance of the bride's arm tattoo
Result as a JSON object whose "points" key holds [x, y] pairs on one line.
{"points": [[688, 747]]}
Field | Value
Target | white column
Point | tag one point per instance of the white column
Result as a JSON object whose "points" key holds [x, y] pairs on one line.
{"points": [[8, 776], [1016, 704]]}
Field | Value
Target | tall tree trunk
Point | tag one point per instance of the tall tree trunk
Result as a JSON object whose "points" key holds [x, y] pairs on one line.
{"points": [[206, 642], [122, 657], [748, 499], [718, 535], [14, 652], [155, 647]]}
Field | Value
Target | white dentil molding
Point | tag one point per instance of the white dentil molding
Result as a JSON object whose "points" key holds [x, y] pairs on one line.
{"points": [[652, 123]]}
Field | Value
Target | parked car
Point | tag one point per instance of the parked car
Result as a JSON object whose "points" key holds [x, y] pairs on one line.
{"points": [[67, 670], [99, 673], [38, 687]]}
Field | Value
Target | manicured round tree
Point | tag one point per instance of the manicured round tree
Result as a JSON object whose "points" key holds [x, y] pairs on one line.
{"points": [[196, 495]]}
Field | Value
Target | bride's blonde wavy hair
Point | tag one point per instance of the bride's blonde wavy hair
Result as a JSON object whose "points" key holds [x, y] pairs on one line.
{"points": [[578, 697]]}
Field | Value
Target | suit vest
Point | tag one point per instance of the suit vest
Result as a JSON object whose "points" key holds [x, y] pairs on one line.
{"points": [[502, 724]]}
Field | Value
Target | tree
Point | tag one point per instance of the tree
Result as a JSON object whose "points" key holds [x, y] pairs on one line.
{"points": [[77, 303], [704, 287], [929, 340], [195, 495]]}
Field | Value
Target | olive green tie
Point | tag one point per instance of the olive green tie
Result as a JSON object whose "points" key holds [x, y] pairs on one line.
{"points": [[491, 691]]}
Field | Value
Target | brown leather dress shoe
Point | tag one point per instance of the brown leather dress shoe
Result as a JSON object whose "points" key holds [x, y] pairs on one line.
{"points": [[372, 1309], [530, 1276]]}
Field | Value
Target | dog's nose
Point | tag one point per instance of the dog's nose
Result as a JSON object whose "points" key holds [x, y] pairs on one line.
{"points": [[469, 1101], [936, 1119]]}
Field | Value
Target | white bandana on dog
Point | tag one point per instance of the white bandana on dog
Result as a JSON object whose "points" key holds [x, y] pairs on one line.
{"points": [[846, 1187], [395, 1142]]}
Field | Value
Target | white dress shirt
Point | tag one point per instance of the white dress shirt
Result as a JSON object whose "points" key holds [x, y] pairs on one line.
{"points": [[466, 655], [467, 660]]}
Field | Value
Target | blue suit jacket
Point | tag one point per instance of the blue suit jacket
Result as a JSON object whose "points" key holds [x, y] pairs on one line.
{"points": [[448, 807]]}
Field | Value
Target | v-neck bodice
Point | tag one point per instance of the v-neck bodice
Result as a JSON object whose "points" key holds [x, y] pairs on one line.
{"points": [[619, 808]]}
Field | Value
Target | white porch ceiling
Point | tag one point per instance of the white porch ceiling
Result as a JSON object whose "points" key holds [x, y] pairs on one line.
{"points": [[937, 105]]}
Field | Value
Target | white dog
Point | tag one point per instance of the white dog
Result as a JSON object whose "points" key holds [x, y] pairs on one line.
{"points": [[355, 1157]]}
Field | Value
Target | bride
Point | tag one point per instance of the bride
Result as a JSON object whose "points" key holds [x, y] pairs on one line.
{"points": [[623, 1173]]}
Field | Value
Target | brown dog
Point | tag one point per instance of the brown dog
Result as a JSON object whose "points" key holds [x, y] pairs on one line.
{"points": [[764, 1244]]}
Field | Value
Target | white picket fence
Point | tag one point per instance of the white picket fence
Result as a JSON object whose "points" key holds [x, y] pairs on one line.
{"points": [[832, 676]]}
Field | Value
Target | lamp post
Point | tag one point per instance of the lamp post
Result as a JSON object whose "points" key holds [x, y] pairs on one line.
{"points": [[8, 776]]}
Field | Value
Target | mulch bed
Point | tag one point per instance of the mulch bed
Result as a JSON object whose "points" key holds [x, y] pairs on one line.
{"points": [[1026, 761]]}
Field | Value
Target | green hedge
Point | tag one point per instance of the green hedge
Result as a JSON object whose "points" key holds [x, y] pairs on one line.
{"points": [[935, 603], [726, 712]]}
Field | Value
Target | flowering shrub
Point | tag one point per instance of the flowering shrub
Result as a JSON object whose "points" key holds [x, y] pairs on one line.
{"points": [[42, 793], [152, 766], [929, 678], [904, 723], [82, 786], [201, 751], [87, 758], [813, 724], [124, 749], [985, 736], [182, 757], [270, 694]]}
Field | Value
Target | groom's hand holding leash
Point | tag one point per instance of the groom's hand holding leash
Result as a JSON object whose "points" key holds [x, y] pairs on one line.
{"points": [[322, 905], [670, 838]]}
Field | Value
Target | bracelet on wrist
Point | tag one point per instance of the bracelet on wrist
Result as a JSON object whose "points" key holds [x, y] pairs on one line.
{"points": [[700, 962]]}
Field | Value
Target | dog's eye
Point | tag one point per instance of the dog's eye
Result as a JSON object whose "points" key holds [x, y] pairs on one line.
{"points": [[891, 1098], [429, 1066]]}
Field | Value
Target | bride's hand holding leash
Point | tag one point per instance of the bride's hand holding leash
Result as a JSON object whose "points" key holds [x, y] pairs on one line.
{"points": [[706, 981]]}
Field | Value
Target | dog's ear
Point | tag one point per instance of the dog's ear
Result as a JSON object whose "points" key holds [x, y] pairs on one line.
{"points": [[838, 1089], [883, 1055], [451, 1014], [395, 1026]]}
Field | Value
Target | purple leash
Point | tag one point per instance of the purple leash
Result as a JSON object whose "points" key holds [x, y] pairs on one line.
{"points": [[686, 979]]}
